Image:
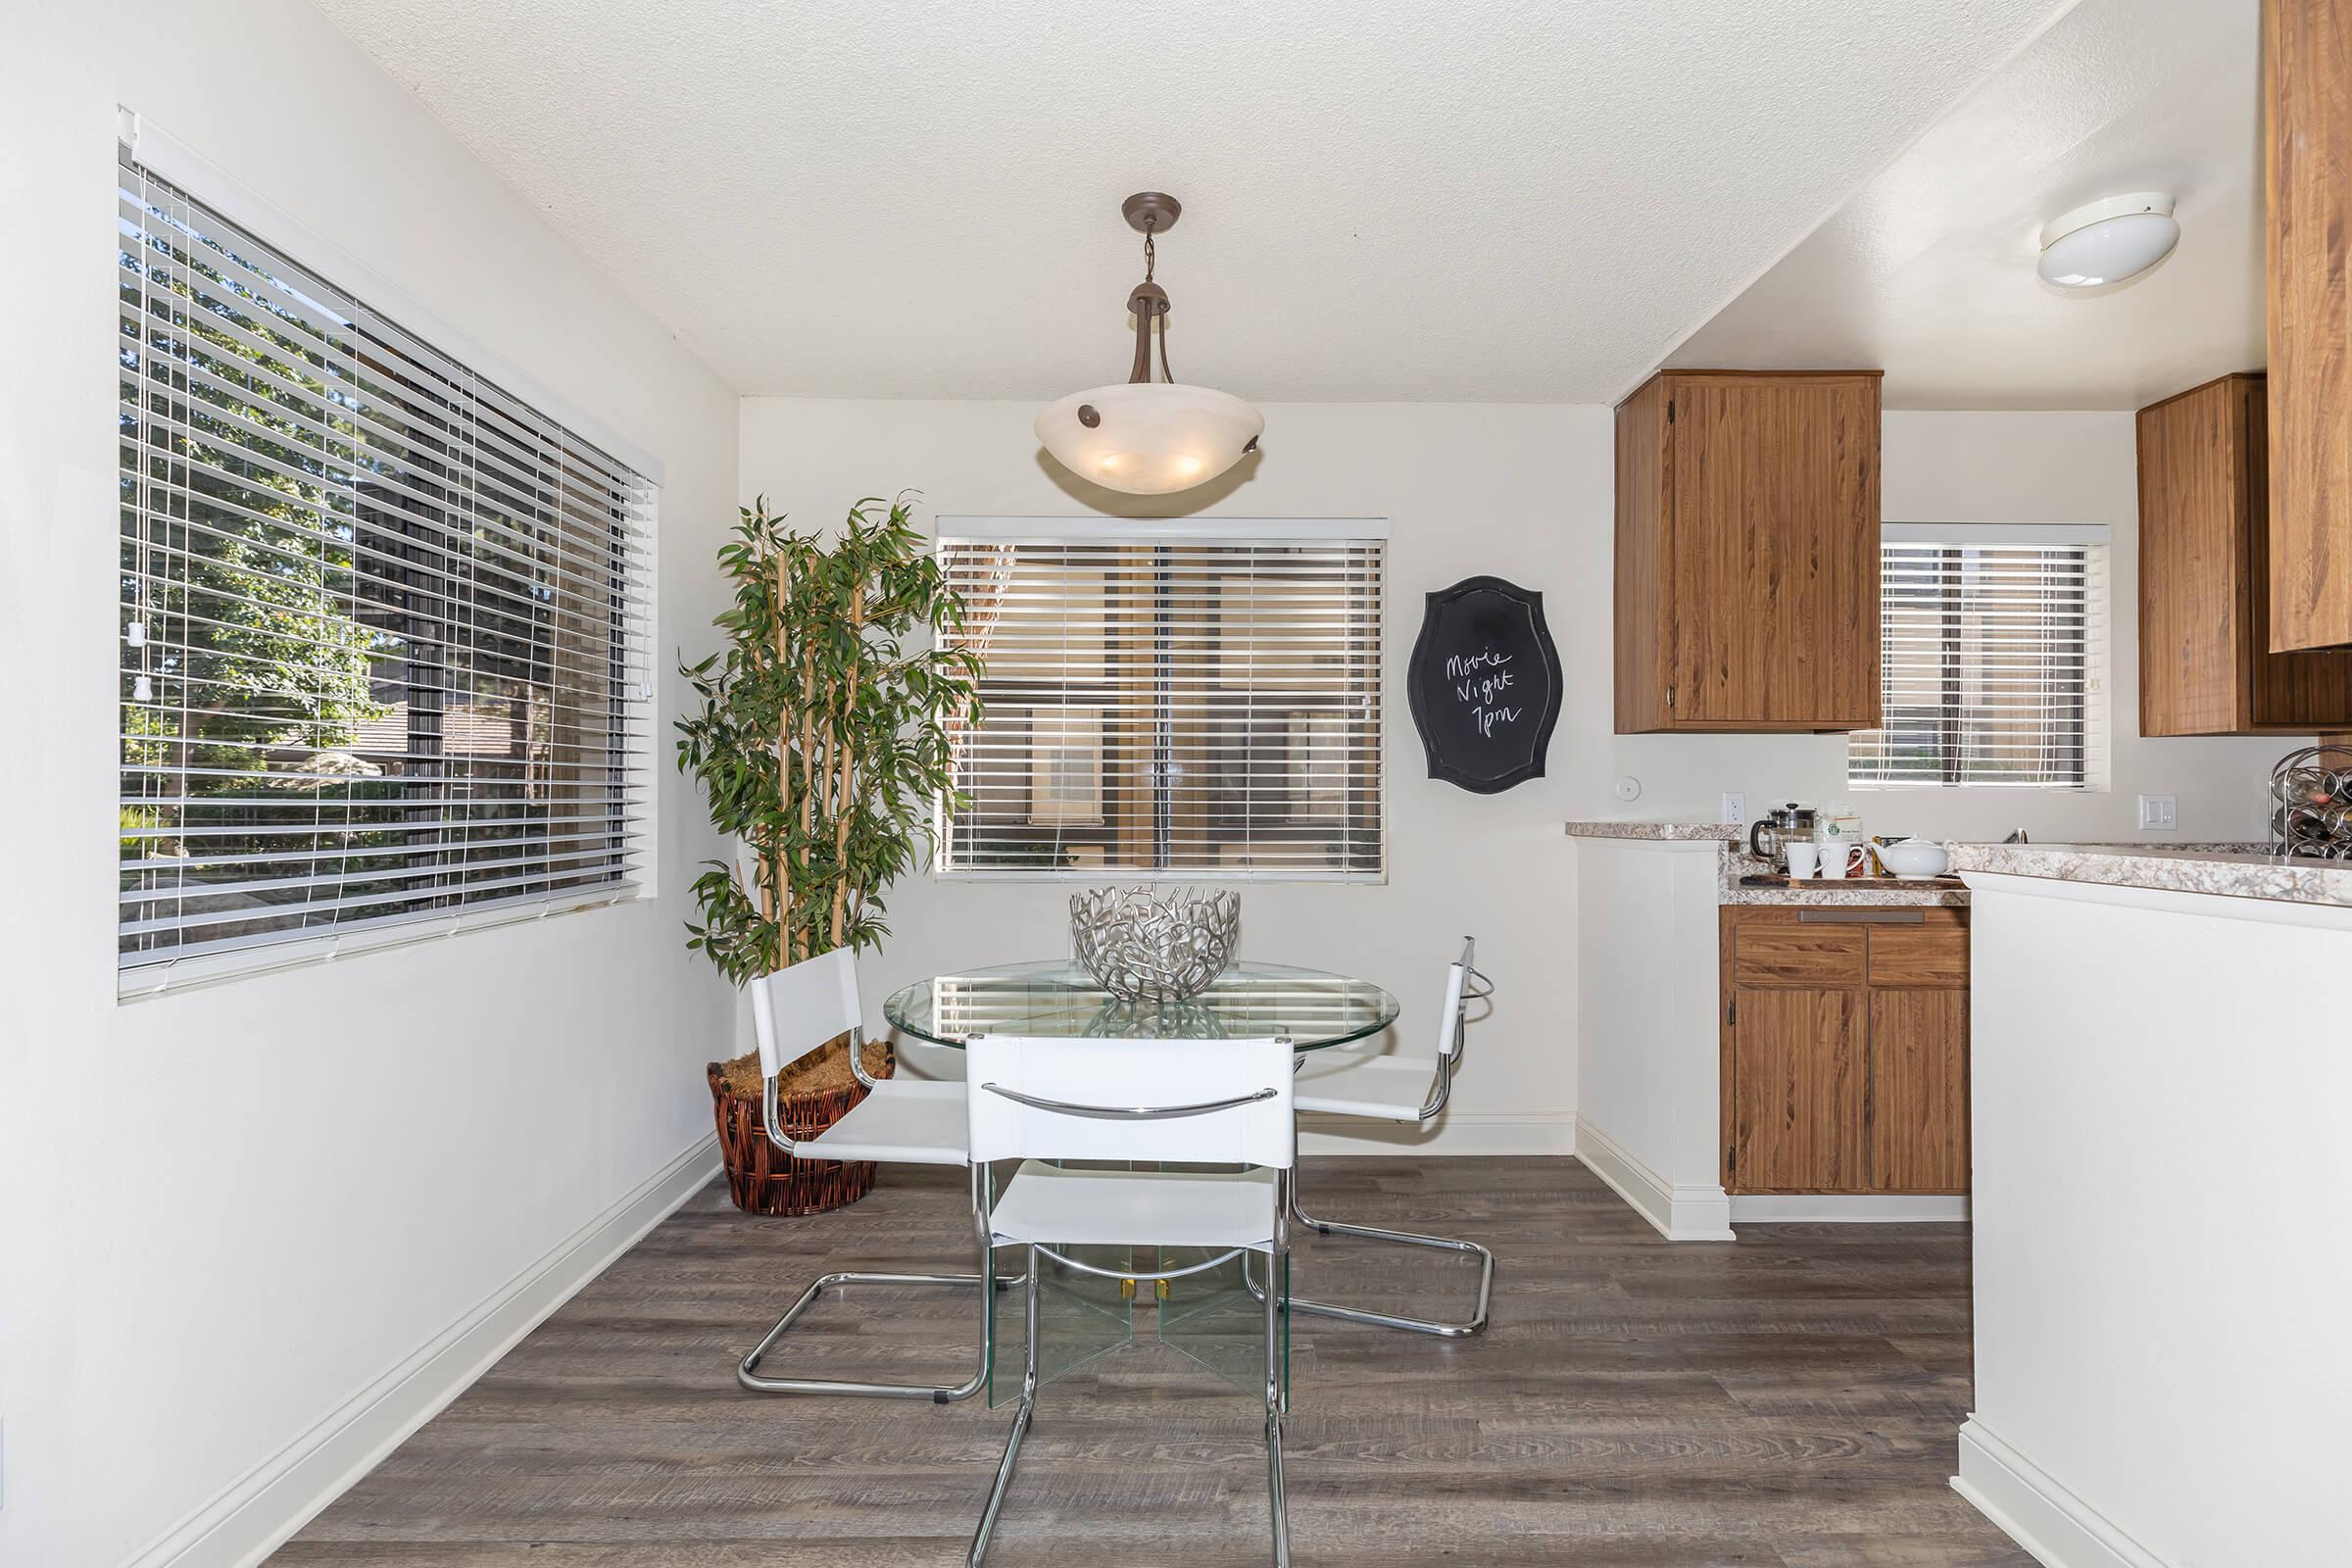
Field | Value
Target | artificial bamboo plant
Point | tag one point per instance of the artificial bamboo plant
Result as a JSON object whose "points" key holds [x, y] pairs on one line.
{"points": [[823, 738]]}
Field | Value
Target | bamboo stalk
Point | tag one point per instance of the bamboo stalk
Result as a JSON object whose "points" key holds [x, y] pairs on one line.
{"points": [[848, 760], [832, 766], [807, 701], [778, 903]]}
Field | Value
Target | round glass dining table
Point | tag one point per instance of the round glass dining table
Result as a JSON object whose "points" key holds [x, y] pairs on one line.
{"points": [[1058, 999]]}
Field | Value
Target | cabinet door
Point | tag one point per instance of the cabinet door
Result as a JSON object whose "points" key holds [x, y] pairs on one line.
{"points": [[2195, 640], [2205, 664], [1800, 1094], [1919, 1091], [2295, 691], [2307, 78], [1773, 556]]}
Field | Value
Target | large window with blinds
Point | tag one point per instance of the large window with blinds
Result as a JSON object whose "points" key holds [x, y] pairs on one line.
{"points": [[1994, 658], [385, 651], [1196, 698]]}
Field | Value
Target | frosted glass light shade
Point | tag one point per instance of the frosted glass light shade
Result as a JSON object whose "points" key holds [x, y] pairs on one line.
{"points": [[2108, 241], [1152, 437]]}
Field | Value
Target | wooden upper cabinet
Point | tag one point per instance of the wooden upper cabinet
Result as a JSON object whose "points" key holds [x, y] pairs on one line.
{"points": [[2205, 661], [2307, 74], [1748, 552]]}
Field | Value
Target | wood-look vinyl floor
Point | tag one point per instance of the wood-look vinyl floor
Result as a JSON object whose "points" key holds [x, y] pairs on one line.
{"points": [[1785, 1401]]}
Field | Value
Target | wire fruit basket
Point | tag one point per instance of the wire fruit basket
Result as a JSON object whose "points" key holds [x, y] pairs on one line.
{"points": [[1143, 945]]}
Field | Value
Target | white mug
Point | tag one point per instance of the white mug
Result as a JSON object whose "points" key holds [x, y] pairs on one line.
{"points": [[1839, 858], [1804, 858]]}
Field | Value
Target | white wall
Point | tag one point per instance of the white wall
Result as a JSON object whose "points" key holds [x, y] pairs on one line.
{"points": [[1525, 493], [2158, 1084], [1468, 489], [226, 1212], [1648, 1047]]}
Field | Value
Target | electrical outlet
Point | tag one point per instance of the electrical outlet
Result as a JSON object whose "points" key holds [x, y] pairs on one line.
{"points": [[2159, 811], [1735, 807]]}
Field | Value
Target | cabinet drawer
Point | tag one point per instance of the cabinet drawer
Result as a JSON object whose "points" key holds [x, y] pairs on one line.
{"points": [[1935, 953], [1813, 956]]}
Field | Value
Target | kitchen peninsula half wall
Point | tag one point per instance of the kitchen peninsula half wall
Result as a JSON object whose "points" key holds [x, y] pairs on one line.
{"points": [[2160, 1080], [1664, 1069]]}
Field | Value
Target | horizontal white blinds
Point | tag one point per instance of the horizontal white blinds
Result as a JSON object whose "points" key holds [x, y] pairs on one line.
{"points": [[1993, 663], [385, 640], [1167, 705]]}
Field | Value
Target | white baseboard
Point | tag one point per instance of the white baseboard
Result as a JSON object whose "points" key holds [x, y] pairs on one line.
{"points": [[2037, 1511], [255, 1513], [1457, 1132], [1690, 1212], [1848, 1208]]}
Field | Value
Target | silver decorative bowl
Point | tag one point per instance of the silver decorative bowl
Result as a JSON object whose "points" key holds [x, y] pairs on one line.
{"points": [[1145, 946]]}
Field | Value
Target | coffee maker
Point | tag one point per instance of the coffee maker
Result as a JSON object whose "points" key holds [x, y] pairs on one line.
{"points": [[1769, 838]]}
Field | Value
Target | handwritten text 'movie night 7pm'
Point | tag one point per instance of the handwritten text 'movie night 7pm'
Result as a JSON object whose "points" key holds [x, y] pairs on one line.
{"points": [[1479, 679]]}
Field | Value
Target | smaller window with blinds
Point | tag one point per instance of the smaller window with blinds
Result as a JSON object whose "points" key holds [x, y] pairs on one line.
{"points": [[1993, 649], [385, 657], [1196, 698]]}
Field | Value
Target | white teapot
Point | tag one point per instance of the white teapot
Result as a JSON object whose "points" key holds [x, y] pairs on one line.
{"points": [[1915, 860]]}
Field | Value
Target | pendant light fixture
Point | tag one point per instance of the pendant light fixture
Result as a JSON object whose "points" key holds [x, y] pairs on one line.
{"points": [[1146, 437]]}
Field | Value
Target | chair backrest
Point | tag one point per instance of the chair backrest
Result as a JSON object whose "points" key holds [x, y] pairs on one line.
{"points": [[1460, 992], [797, 1009], [1208, 1101]]}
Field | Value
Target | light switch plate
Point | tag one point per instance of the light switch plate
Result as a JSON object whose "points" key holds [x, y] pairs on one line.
{"points": [[1735, 807], [2159, 811]]}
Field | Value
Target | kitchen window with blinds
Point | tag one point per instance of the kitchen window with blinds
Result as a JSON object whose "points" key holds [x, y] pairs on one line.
{"points": [[1195, 700], [384, 641], [1994, 658]]}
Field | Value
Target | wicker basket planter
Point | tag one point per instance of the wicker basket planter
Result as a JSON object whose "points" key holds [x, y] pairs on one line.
{"points": [[761, 1178]]}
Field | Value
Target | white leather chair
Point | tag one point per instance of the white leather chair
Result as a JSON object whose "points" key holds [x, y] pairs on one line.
{"points": [[1194, 1101], [1379, 1086], [900, 1120]]}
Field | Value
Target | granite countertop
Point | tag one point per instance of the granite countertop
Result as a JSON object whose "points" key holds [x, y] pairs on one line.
{"points": [[2233, 870], [1875, 892], [1738, 862], [1725, 832]]}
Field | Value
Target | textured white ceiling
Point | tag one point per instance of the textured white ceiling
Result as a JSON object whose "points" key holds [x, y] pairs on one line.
{"points": [[1499, 200], [1928, 272]]}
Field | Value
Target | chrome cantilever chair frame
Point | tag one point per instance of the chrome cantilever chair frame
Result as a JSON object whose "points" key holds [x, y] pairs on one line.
{"points": [[1278, 1252], [1440, 1093], [747, 1371]]}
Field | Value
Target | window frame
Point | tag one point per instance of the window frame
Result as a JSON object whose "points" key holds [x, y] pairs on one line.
{"points": [[2094, 685], [152, 151], [1143, 532]]}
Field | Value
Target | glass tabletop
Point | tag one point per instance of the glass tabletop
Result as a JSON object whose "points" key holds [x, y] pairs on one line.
{"points": [[1058, 999]]}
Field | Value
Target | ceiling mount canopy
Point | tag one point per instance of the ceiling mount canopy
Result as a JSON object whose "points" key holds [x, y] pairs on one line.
{"points": [[1150, 437]]}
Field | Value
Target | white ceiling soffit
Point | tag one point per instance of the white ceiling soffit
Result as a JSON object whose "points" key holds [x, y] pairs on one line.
{"points": [[1496, 200], [1928, 272]]}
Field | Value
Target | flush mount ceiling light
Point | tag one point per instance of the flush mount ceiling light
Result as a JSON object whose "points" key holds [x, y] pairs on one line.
{"points": [[2108, 240], [1150, 437]]}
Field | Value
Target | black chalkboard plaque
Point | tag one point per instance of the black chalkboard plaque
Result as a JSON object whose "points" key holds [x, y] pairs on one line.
{"points": [[1485, 684]]}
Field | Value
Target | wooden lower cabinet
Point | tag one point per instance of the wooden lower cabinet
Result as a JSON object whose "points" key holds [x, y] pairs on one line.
{"points": [[1844, 1050]]}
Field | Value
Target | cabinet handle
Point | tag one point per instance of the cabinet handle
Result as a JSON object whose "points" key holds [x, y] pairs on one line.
{"points": [[1864, 916]]}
